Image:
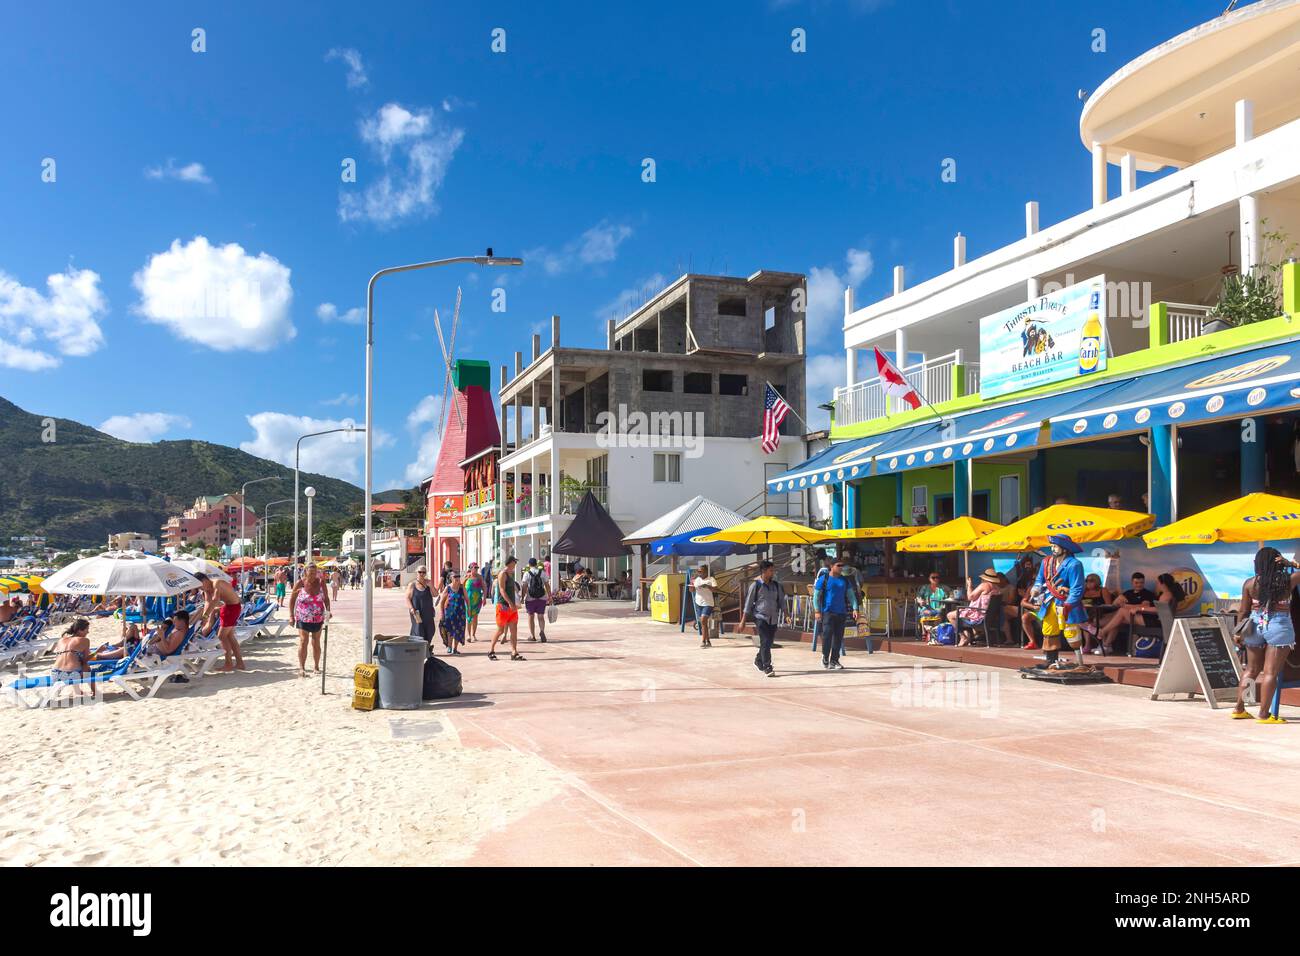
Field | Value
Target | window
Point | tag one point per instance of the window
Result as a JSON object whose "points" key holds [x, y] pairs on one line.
{"points": [[769, 318], [668, 467], [698, 383], [1008, 498], [733, 384], [656, 380], [731, 306]]}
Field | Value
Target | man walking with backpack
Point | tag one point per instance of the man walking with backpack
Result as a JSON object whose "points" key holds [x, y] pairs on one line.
{"points": [[537, 595], [764, 601], [833, 600]]}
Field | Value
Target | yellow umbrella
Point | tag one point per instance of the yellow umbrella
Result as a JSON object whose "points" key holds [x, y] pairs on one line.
{"points": [[7, 585], [1256, 517], [860, 534], [1081, 524], [959, 534], [769, 530]]}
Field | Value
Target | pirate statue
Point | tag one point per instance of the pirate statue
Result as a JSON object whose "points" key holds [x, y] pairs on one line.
{"points": [[1059, 593]]}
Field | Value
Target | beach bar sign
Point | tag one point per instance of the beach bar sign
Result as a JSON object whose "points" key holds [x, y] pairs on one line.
{"points": [[1058, 336]]}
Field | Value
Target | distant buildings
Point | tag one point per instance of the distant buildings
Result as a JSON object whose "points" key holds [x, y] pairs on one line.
{"points": [[132, 541], [213, 520]]}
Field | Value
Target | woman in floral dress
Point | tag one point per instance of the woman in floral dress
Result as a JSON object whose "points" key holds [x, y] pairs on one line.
{"points": [[473, 601], [453, 605]]}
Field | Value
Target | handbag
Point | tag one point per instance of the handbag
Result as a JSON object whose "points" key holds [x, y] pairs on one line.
{"points": [[552, 614], [944, 634]]}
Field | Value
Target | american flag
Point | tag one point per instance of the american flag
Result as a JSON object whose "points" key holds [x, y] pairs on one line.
{"points": [[774, 411]]}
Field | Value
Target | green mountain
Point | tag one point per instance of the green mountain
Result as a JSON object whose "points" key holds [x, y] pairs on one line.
{"points": [[77, 485]]}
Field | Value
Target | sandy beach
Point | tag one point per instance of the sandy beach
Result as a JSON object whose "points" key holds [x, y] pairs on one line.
{"points": [[254, 768]]}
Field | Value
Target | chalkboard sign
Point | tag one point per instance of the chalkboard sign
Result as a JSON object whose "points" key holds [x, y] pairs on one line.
{"points": [[1201, 658], [1218, 661]]}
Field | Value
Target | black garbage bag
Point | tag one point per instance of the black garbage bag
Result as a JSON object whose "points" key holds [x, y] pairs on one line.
{"points": [[440, 680]]}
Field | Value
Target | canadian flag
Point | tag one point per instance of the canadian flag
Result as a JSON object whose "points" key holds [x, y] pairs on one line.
{"points": [[893, 383]]}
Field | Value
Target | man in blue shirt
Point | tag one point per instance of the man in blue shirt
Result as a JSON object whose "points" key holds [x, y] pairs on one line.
{"points": [[833, 602]]}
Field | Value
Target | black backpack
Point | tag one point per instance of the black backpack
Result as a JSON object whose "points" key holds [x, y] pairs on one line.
{"points": [[536, 589]]}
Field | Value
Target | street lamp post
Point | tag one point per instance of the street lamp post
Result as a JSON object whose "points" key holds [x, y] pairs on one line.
{"points": [[367, 606], [266, 527], [243, 513], [350, 428], [310, 492]]}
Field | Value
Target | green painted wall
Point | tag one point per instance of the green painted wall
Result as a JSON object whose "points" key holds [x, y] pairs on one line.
{"points": [[938, 481], [875, 502]]}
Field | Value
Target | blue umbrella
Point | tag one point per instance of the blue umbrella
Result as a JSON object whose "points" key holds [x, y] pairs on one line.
{"points": [[687, 546]]}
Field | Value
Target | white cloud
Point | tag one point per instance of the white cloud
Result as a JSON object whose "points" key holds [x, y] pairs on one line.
{"points": [[218, 296], [596, 246], [826, 292], [63, 320], [414, 151], [143, 426], [629, 300], [343, 398], [329, 312], [822, 374], [423, 422], [338, 455], [189, 173], [356, 69]]}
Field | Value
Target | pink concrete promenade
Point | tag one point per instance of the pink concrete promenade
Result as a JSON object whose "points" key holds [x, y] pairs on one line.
{"points": [[677, 755]]}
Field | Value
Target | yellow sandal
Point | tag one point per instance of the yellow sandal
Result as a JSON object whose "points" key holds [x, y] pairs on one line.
{"points": [[1270, 720], [1240, 715]]}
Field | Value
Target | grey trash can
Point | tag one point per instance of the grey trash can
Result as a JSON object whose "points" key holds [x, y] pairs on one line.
{"points": [[401, 672]]}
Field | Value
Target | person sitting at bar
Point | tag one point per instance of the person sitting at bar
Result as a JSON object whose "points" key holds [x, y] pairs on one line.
{"points": [[1025, 572], [1129, 604], [1094, 595], [1114, 502], [929, 602], [965, 618]]}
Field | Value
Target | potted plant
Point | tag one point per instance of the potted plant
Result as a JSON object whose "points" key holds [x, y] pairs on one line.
{"points": [[1254, 296]]}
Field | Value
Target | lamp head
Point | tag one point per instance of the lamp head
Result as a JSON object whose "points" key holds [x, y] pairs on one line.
{"points": [[310, 492]]}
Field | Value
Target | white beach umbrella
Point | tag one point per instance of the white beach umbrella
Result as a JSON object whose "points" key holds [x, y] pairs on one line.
{"points": [[121, 573], [201, 565]]}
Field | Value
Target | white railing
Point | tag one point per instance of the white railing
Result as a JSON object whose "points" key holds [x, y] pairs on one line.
{"points": [[1186, 321], [933, 378]]}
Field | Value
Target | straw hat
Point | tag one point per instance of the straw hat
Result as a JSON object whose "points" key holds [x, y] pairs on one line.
{"points": [[989, 576]]}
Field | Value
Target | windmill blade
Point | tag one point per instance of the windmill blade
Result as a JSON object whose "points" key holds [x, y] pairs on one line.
{"points": [[446, 378], [451, 350]]}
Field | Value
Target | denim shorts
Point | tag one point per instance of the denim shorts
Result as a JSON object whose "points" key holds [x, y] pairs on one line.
{"points": [[1275, 630], [703, 610]]}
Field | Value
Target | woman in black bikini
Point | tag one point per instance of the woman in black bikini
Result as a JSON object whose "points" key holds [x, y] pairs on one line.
{"points": [[71, 652]]}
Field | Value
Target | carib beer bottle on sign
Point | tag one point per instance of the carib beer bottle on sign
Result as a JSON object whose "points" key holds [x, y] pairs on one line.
{"points": [[1090, 336]]}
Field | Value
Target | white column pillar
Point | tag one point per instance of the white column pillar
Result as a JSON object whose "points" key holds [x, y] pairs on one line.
{"points": [[1127, 174], [1098, 174], [850, 353], [534, 492], [537, 411], [958, 250], [555, 331], [898, 279], [609, 334], [900, 348], [1248, 206], [1033, 289], [1031, 218]]}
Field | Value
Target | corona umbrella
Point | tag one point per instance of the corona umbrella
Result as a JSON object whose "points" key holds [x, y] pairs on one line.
{"points": [[769, 530], [1082, 524], [959, 534], [201, 565], [121, 572], [1256, 517]]}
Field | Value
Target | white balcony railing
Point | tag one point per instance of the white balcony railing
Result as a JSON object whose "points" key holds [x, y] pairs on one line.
{"points": [[1186, 321], [933, 378]]}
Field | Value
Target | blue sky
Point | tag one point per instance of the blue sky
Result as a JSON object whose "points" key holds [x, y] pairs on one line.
{"points": [[178, 173]]}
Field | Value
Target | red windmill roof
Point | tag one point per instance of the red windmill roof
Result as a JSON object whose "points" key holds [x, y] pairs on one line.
{"points": [[464, 435]]}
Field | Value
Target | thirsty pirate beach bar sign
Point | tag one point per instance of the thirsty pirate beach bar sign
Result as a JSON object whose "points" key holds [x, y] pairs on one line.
{"points": [[1058, 336]]}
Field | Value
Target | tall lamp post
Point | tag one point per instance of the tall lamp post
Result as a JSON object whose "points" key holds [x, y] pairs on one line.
{"points": [[310, 492], [243, 515], [297, 454], [367, 606]]}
